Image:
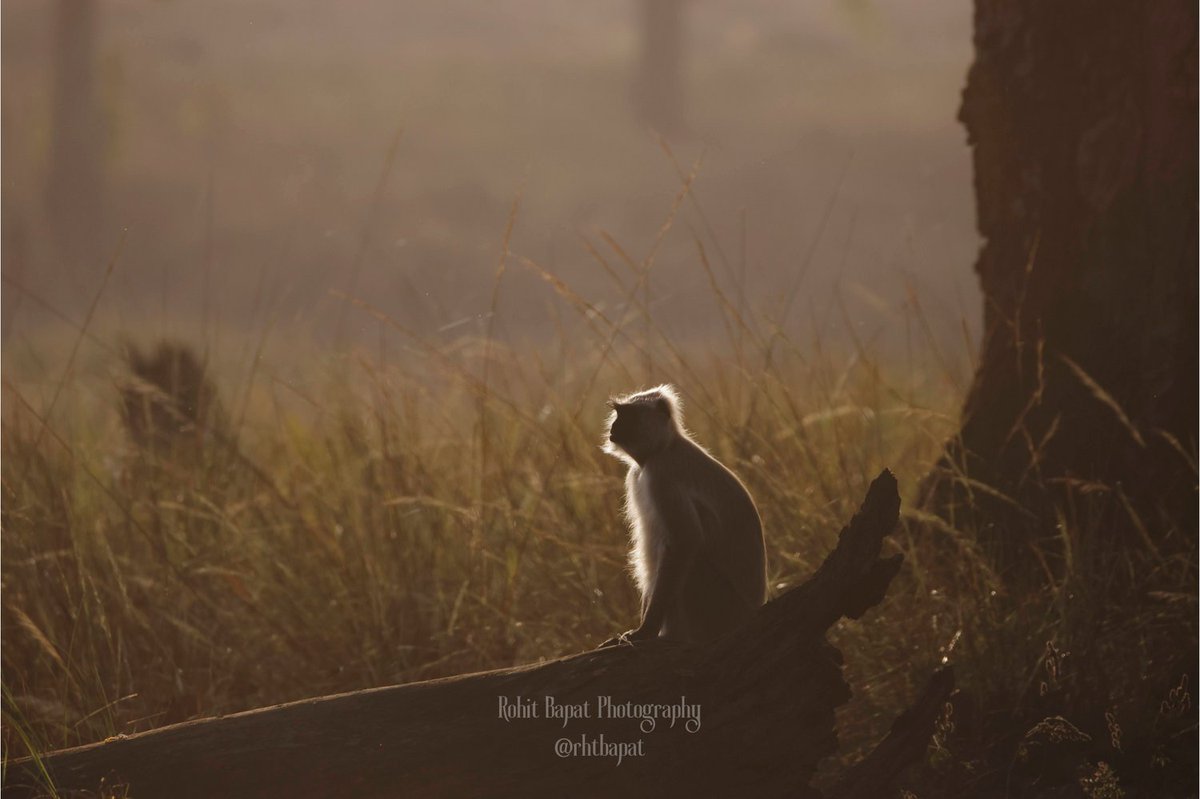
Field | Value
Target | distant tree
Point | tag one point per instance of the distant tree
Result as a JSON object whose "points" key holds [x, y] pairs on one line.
{"points": [[1082, 117], [658, 84], [75, 182]]}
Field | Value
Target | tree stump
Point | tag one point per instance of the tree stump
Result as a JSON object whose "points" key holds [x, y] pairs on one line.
{"points": [[753, 716]]}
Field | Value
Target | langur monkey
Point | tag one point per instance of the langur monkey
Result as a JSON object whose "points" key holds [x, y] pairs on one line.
{"points": [[697, 554]]}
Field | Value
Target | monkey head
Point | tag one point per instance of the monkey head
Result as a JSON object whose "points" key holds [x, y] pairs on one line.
{"points": [[642, 424]]}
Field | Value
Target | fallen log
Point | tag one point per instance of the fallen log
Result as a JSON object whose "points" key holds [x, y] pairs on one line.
{"points": [[749, 715]]}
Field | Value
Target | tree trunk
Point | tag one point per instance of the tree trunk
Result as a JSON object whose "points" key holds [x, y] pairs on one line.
{"points": [[766, 697], [658, 84], [75, 181], [1082, 119]]}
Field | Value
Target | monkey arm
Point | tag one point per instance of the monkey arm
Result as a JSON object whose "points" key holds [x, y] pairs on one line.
{"points": [[681, 545], [676, 563]]}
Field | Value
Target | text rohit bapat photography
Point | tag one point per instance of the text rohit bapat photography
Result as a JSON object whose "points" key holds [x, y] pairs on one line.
{"points": [[644, 720]]}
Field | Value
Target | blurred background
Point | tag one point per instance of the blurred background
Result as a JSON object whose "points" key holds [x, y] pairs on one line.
{"points": [[261, 155]]}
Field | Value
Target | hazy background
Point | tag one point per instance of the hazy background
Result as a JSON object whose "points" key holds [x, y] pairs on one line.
{"points": [[241, 144]]}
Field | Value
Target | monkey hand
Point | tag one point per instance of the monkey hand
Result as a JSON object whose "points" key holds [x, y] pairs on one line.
{"points": [[629, 638]]}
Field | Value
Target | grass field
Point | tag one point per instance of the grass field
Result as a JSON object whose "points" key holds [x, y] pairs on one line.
{"points": [[436, 505]]}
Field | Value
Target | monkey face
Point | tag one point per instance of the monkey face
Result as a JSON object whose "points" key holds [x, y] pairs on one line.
{"points": [[639, 429]]}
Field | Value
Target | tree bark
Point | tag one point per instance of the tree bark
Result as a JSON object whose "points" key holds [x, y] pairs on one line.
{"points": [[766, 696], [1082, 120]]}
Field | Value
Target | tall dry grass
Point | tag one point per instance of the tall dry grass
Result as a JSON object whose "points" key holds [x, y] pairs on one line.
{"points": [[438, 504]]}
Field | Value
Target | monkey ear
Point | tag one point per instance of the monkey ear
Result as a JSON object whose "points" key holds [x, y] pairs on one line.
{"points": [[663, 406]]}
